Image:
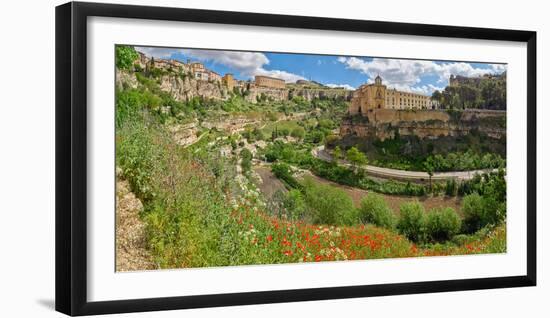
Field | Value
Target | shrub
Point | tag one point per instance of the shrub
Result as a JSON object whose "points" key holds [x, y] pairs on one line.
{"points": [[412, 221], [125, 57], [284, 131], [295, 204], [331, 141], [246, 160], [136, 155], [282, 171], [317, 137], [473, 209], [460, 239], [356, 157], [451, 187], [480, 211], [328, 205], [442, 224], [375, 210], [298, 132], [131, 103]]}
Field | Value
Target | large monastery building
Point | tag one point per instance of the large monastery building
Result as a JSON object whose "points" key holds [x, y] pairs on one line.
{"points": [[379, 96]]}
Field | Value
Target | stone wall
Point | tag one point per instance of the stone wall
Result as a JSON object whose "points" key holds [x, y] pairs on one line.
{"points": [[275, 94], [430, 124], [320, 93]]}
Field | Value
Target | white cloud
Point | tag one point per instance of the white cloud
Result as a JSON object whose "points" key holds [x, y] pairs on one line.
{"points": [[243, 62], [156, 52], [286, 76], [248, 64], [406, 74], [498, 68], [345, 86]]}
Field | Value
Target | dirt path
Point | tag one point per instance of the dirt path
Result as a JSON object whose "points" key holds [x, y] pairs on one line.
{"points": [[269, 184], [394, 201], [131, 254]]}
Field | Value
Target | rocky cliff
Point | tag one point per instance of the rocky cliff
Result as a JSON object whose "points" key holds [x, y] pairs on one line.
{"points": [[321, 93], [425, 124], [186, 88], [270, 93]]}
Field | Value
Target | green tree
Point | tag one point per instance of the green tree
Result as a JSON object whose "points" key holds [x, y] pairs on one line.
{"points": [[474, 212], [246, 160], [375, 210], [125, 57], [328, 205], [480, 211], [442, 224], [412, 221], [356, 157], [283, 172], [337, 154], [317, 137], [331, 140]]}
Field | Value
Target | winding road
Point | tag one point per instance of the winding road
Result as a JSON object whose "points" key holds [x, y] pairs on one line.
{"points": [[416, 176]]}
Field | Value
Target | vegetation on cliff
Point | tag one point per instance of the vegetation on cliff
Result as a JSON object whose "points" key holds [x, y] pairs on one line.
{"points": [[471, 152], [485, 93]]}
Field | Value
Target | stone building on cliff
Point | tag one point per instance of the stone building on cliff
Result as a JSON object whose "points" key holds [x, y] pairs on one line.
{"points": [[379, 96], [270, 82]]}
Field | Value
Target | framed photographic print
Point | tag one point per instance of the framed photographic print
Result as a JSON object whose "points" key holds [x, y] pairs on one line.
{"points": [[208, 158]]}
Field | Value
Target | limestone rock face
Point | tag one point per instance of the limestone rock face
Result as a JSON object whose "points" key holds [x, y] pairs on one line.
{"points": [[275, 94], [125, 78], [328, 93], [430, 124], [184, 134], [231, 124], [186, 88]]}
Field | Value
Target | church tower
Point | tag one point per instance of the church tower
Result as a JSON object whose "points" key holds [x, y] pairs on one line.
{"points": [[380, 93], [378, 80]]}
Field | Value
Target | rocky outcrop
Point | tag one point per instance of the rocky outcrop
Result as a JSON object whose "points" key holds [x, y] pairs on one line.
{"points": [[185, 88], [185, 134], [124, 78], [231, 124], [431, 124], [321, 93], [275, 94], [131, 246]]}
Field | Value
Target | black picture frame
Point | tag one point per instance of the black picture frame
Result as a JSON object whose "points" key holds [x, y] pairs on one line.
{"points": [[71, 157]]}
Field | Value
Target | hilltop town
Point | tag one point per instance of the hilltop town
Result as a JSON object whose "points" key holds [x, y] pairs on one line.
{"points": [[209, 84]]}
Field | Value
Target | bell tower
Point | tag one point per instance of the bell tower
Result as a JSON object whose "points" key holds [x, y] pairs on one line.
{"points": [[380, 97], [378, 80]]}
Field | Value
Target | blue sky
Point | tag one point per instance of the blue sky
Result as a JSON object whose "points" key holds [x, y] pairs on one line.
{"points": [[421, 76]]}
